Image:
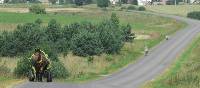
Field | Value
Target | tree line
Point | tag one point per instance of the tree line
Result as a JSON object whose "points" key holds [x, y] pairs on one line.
{"points": [[83, 39]]}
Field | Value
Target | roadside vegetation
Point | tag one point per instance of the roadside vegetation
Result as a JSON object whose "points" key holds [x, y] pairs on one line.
{"points": [[194, 15], [184, 73]]}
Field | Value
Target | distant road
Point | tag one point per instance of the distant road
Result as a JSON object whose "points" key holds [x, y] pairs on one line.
{"points": [[145, 69]]}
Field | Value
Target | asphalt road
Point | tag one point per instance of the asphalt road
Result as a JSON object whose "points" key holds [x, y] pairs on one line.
{"points": [[145, 69]]}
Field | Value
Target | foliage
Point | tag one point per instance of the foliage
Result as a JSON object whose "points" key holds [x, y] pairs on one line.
{"points": [[141, 8], [114, 19], [131, 7], [79, 2], [58, 70], [124, 1], [128, 36], [37, 9], [111, 37], [134, 2], [84, 39], [103, 3], [194, 15], [53, 31], [23, 67], [86, 43], [18, 1], [53, 1]]}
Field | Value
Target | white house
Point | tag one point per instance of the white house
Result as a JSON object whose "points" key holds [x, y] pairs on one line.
{"points": [[140, 2], [1, 1], [44, 1], [143, 2], [114, 1]]}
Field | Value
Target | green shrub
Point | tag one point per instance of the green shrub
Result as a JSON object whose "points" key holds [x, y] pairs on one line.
{"points": [[131, 7], [23, 67], [37, 9], [103, 3], [128, 36], [141, 8], [110, 36], [194, 15], [58, 70], [86, 44], [53, 31]]}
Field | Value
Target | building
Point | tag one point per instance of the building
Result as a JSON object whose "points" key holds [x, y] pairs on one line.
{"points": [[144, 2], [114, 1], [44, 1], [1, 1]]}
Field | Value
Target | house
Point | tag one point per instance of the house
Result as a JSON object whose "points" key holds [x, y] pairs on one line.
{"points": [[140, 2], [44, 1], [1, 1], [144, 2], [114, 1]]}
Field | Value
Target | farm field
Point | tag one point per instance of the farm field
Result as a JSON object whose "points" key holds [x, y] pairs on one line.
{"points": [[180, 10]]}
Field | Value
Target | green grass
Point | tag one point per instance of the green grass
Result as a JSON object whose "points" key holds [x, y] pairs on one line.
{"points": [[180, 10], [184, 73]]}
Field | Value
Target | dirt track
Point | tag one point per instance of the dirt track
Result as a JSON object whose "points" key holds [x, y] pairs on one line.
{"points": [[25, 10]]}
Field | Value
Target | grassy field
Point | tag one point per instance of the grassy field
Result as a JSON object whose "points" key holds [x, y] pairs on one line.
{"points": [[80, 70], [180, 10], [184, 73], [7, 66]]}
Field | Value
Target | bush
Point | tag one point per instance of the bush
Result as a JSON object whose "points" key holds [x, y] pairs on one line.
{"points": [[111, 37], [131, 7], [194, 15], [53, 31], [103, 3], [134, 2], [128, 36], [86, 44], [58, 70], [37, 9], [141, 8], [23, 67]]}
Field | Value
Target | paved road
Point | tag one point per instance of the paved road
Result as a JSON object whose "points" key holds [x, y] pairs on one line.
{"points": [[146, 68]]}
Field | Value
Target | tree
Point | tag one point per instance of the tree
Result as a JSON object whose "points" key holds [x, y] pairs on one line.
{"points": [[6, 1], [135, 2], [79, 2], [114, 19], [86, 44], [53, 30], [37, 9], [103, 3], [124, 1], [53, 1]]}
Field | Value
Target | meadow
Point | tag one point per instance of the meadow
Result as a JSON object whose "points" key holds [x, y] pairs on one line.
{"points": [[155, 27], [180, 10]]}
